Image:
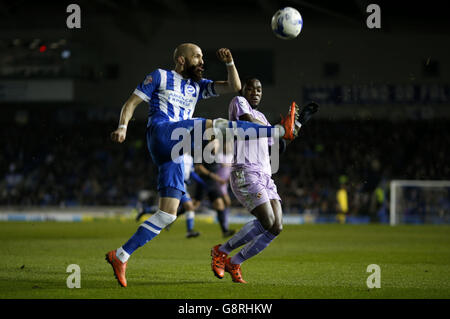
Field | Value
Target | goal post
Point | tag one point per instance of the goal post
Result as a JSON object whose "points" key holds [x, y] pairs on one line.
{"points": [[419, 201]]}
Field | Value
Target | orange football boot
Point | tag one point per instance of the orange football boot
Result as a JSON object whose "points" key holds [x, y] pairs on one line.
{"points": [[288, 122], [118, 267], [235, 271], [218, 262]]}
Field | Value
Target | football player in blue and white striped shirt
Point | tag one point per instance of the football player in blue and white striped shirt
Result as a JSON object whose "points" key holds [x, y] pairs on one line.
{"points": [[172, 96]]}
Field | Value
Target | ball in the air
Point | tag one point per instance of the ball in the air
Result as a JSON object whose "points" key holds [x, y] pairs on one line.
{"points": [[287, 23]]}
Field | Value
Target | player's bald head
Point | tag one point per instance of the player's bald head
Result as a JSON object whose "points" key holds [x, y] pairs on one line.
{"points": [[185, 50], [188, 58]]}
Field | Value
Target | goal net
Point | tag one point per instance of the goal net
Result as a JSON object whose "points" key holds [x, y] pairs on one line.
{"points": [[419, 202]]}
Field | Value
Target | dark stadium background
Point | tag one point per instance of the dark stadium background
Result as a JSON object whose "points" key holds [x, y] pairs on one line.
{"points": [[384, 96]]}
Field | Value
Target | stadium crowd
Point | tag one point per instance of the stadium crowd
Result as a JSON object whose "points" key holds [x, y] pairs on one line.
{"points": [[65, 158]]}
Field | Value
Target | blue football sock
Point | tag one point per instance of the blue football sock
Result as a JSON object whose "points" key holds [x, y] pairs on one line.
{"points": [[148, 230], [247, 233], [222, 220], [253, 248], [140, 238]]}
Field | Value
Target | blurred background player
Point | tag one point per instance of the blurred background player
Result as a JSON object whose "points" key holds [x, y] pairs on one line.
{"points": [[225, 158], [342, 200], [216, 176], [172, 96], [253, 186], [187, 205]]}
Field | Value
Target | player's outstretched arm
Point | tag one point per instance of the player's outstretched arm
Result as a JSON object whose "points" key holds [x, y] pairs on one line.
{"points": [[233, 83], [126, 114], [247, 117]]}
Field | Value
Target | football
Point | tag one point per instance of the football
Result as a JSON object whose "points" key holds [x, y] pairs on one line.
{"points": [[287, 23]]}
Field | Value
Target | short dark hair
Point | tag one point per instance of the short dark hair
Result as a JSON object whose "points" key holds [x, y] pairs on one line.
{"points": [[246, 81]]}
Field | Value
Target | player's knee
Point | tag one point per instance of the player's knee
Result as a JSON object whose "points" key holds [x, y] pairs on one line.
{"points": [[218, 204], [188, 205], [267, 221], [276, 229]]}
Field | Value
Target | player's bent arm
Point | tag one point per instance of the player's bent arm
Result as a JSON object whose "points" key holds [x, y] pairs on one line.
{"points": [[233, 83], [128, 109], [224, 87], [247, 117], [126, 114]]}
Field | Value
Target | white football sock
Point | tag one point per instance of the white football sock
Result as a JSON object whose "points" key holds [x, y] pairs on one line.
{"points": [[122, 255], [280, 132]]}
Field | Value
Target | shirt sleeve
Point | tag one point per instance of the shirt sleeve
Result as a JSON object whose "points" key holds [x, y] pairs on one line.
{"points": [[238, 106], [242, 107], [207, 89], [146, 88]]}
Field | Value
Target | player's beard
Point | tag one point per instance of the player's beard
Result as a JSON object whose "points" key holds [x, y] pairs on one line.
{"points": [[194, 72]]}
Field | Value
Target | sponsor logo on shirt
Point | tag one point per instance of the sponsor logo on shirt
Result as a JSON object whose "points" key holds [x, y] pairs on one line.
{"points": [[190, 89]]}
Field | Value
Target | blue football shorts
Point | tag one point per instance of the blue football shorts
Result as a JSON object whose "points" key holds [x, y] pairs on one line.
{"points": [[162, 137]]}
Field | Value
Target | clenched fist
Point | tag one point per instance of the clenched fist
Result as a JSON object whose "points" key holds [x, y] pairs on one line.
{"points": [[224, 55], [119, 135]]}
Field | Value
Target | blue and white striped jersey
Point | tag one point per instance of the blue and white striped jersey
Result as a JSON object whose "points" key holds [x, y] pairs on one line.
{"points": [[171, 97]]}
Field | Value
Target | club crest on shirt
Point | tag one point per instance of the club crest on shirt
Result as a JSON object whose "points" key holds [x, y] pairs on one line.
{"points": [[148, 79], [259, 195], [190, 89]]}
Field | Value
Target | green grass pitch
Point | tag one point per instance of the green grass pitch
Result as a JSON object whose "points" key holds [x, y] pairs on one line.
{"points": [[305, 261]]}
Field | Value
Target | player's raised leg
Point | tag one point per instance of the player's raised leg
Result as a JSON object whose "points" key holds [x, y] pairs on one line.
{"points": [[244, 129]]}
